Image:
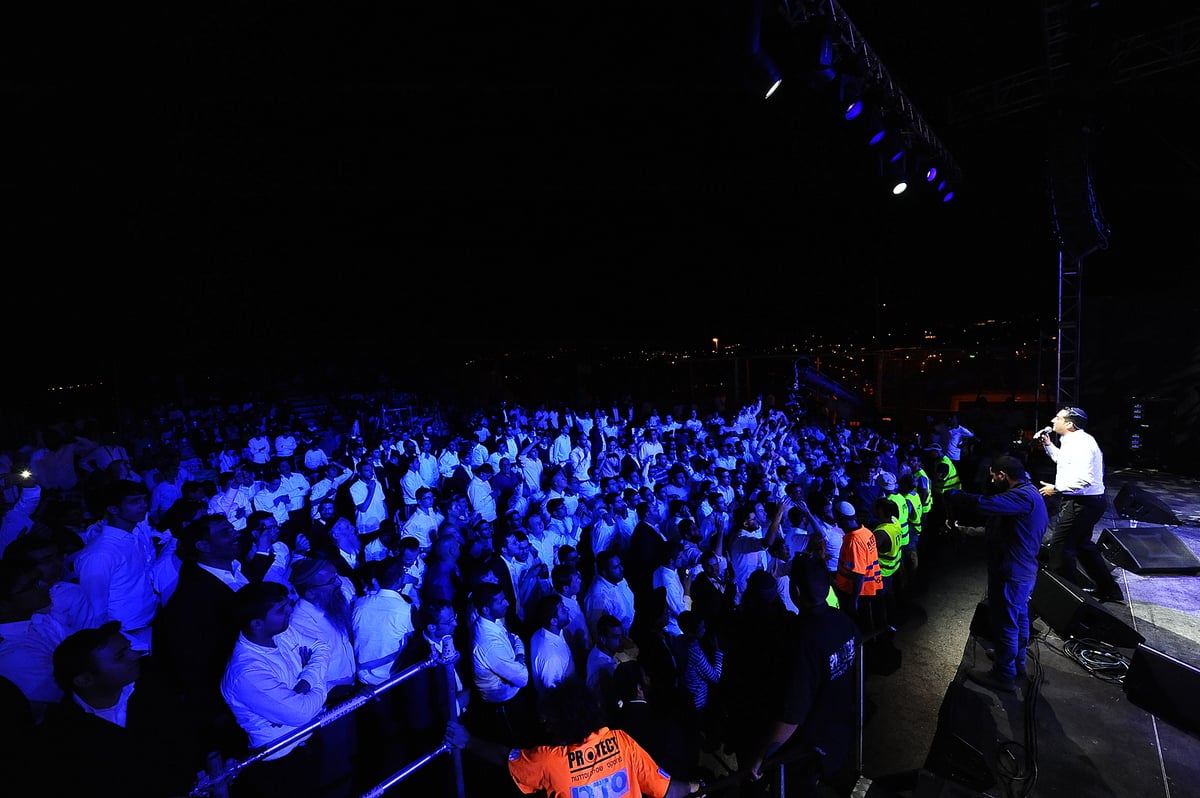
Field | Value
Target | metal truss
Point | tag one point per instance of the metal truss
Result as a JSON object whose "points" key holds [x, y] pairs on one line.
{"points": [[1136, 57], [874, 75], [1070, 320]]}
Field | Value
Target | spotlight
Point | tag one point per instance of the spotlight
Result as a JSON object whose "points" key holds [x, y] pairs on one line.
{"points": [[825, 59], [896, 172], [876, 129], [850, 93], [764, 78]]}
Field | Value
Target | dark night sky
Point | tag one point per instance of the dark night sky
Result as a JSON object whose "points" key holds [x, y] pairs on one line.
{"points": [[476, 163]]}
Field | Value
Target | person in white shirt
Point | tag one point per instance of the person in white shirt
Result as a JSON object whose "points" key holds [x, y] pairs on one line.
{"points": [[427, 464], [480, 494], [29, 633], [229, 501], [259, 447], [116, 567], [296, 486], [748, 547], [531, 464], [1079, 481], [504, 712], [265, 531], [275, 684], [314, 456], [666, 576], [323, 612], [332, 475], [609, 593], [410, 483], [285, 444], [423, 523], [273, 497], [448, 459], [560, 447], [551, 658], [953, 437], [382, 621], [367, 494]]}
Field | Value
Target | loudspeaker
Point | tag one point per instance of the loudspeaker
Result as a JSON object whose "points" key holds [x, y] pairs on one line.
{"points": [[1072, 613], [981, 621], [1147, 550], [1166, 686], [1133, 502], [965, 738]]}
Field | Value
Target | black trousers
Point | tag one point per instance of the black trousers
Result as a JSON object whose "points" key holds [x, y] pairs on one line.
{"points": [[1070, 545]]}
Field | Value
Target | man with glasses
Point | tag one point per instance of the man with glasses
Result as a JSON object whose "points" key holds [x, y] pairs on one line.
{"points": [[1079, 482]]}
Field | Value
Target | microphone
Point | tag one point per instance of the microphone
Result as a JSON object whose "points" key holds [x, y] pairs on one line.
{"points": [[1043, 431]]}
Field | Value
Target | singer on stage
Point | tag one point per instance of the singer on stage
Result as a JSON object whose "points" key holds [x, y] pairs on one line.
{"points": [[1079, 483]]}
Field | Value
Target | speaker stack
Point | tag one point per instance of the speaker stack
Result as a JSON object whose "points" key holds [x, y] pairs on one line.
{"points": [[1134, 502], [1147, 550], [1072, 613], [1166, 686]]}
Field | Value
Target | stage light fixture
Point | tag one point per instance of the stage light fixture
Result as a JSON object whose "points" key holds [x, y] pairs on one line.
{"points": [[850, 93], [876, 128], [764, 78], [895, 173], [826, 56], [772, 78]]}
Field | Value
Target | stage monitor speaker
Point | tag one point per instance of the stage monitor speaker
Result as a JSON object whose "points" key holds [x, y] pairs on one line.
{"points": [[1072, 613], [1166, 686], [1133, 502], [981, 621], [965, 740], [1148, 550]]}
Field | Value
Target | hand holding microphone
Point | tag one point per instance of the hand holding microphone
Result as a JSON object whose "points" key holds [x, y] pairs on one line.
{"points": [[1043, 432]]}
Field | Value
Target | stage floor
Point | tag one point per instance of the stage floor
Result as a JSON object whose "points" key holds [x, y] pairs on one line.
{"points": [[1075, 730]]}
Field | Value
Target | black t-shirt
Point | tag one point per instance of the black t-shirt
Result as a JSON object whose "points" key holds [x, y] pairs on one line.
{"points": [[820, 689]]}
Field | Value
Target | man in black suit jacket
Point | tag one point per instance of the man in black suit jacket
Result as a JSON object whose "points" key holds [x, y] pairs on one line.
{"points": [[712, 591], [344, 548], [194, 632], [153, 751], [647, 545], [421, 704]]}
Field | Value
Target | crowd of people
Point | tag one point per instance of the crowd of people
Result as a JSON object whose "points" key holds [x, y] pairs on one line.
{"points": [[168, 607]]}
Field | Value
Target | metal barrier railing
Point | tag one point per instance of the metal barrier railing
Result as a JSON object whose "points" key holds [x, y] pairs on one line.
{"points": [[205, 785]]}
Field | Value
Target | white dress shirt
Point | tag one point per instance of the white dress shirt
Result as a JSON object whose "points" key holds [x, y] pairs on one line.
{"points": [[499, 676], [382, 626], [258, 687], [551, 659]]}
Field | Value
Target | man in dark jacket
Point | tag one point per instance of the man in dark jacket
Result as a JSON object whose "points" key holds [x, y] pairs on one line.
{"points": [[1015, 522]]}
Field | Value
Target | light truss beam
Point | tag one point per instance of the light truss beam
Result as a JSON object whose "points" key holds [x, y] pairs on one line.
{"points": [[875, 75]]}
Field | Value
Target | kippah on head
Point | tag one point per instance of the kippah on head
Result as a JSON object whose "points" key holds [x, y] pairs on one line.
{"points": [[304, 570], [1076, 417], [845, 510]]}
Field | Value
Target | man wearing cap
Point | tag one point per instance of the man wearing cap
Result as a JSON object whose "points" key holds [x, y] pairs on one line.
{"points": [[1015, 521], [859, 579], [1079, 481]]}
